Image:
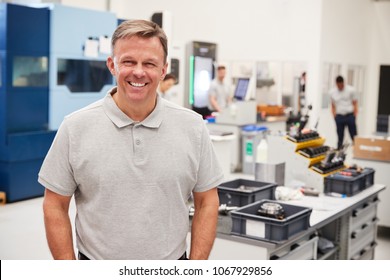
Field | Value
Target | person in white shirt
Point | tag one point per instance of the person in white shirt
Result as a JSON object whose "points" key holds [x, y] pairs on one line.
{"points": [[164, 86], [219, 92], [344, 109]]}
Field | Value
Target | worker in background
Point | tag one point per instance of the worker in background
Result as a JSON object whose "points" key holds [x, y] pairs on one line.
{"points": [[302, 83], [132, 160], [302, 92], [344, 109], [165, 85], [219, 92]]}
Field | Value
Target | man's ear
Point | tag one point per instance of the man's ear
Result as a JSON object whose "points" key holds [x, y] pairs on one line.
{"points": [[164, 71], [111, 65]]}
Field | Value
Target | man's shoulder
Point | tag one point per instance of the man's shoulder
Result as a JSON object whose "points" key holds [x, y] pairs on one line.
{"points": [[177, 110], [85, 111], [350, 88], [333, 91], [214, 83]]}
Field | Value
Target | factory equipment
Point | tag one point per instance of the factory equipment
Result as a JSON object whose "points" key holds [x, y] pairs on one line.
{"points": [[78, 72], [24, 99], [176, 54], [238, 113], [272, 210], [308, 160], [200, 73], [50, 67], [242, 110], [164, 20]]}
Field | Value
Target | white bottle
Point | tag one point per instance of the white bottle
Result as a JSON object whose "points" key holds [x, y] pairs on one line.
{"points": [[262, 151]]}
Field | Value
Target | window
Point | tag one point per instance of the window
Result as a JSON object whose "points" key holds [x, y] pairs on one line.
{"points": [[30, 71], [83, 75]]}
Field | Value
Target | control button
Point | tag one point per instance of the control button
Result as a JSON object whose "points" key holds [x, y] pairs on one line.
{"points": [[137, 142]]}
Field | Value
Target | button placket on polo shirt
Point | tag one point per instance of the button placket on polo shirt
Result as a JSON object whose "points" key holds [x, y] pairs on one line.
{"points": [[138, 143]]}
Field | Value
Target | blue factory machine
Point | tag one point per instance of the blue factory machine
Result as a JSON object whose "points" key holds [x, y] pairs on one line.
{"points": [[79, 46], [24, 98], [52, 62]]}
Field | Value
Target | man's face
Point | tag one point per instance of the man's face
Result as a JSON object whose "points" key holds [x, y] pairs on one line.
{"points": [[340, 85], [138, 66], [221, 73]]}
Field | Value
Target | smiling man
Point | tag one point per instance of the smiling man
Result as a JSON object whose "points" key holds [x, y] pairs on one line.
{"points": [[132, 160]]}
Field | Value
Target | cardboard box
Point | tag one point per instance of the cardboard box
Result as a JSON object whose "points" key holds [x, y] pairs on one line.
{"points": [[271, 110], [372, 148]]}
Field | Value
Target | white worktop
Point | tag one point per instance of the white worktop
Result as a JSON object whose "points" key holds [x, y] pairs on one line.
{"points": [[328, 207]]}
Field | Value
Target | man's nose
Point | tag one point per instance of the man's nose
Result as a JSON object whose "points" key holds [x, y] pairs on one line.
{"points": [[138, 70]]}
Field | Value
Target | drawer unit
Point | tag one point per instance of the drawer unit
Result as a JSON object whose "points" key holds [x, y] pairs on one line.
{"points": [[365, 213], [367, 253], [305, 249], [362, 237]]}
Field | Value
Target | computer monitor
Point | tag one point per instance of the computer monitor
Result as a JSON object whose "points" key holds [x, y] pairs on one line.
{"points": [[241, 88]]}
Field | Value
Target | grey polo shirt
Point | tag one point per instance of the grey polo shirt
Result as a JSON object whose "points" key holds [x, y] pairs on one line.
{"points": [[131, 181]]}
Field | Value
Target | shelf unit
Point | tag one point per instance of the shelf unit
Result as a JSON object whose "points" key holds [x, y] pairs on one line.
{"points": [[298, 168]]}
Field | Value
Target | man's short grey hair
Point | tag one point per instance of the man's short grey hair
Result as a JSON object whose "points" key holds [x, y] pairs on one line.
{"points": [[140, 28]]}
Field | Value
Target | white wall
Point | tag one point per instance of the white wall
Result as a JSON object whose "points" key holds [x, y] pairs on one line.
{"points": [[346, 30], [246, 30], [379, 54]]}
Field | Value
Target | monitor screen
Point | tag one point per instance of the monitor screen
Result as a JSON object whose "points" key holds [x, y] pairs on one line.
{"points": [[241, 88]]}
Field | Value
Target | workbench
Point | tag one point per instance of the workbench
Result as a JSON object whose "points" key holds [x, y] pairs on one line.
{"points": [[350, 223], [381, 175]]}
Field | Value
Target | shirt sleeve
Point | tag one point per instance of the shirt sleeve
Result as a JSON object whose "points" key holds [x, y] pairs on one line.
{"points": [[353, 94], [331, 94], [212, 90], [210, 173], [56, 171]]}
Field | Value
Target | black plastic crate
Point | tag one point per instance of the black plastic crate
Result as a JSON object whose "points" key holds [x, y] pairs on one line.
{"points": [[369, 177], [246, 222], [343, 184], [241, 192]]}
